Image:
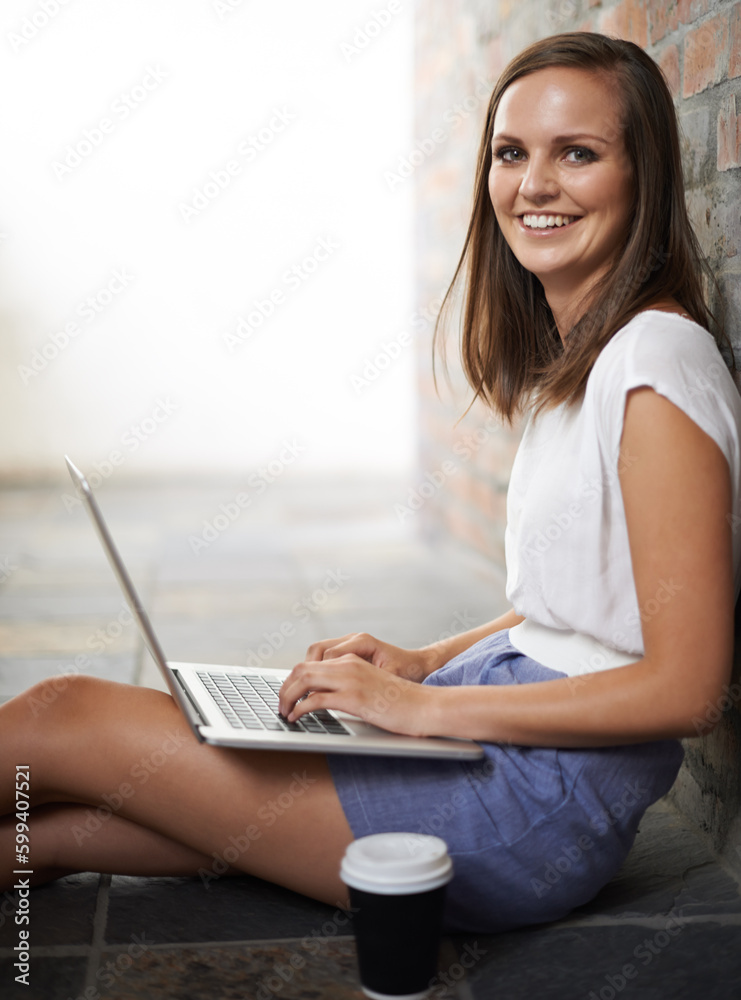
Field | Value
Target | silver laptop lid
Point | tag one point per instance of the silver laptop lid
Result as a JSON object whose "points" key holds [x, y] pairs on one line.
{"points": [[86, 495]]}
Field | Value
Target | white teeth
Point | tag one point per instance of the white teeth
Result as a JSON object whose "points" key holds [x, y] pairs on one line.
{"points": [[547, 221]]}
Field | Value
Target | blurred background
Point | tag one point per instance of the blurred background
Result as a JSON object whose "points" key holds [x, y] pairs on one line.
{"points": [[203, 253]]}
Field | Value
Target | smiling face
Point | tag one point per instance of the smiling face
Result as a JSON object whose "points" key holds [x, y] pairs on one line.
{"points": [[561, 181]]}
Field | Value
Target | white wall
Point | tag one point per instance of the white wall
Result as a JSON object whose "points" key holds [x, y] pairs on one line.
{"points": [[154, 97]]}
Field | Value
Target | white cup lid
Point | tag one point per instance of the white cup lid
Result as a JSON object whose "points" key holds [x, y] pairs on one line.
{"points": [[396, 863]]}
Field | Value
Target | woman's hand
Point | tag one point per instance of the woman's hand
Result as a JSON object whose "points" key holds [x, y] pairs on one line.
{"points": [[410, 664], [349, 683]]}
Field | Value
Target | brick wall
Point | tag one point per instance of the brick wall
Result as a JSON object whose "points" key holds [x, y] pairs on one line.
{"points": [[464, 464]]}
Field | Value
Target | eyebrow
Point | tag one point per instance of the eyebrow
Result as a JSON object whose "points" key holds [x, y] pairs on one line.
{"points": [[557, 139]]}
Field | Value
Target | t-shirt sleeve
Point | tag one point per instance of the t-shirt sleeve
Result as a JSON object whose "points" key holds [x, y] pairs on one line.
{"points": [[681, 362]]}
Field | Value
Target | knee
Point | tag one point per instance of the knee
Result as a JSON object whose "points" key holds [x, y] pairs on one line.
{"points": [[62, 694]]}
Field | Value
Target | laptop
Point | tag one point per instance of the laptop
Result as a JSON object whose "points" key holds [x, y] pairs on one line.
{"points": [[238, 706]]}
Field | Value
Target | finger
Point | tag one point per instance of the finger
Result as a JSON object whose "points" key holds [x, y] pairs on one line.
{"points": [[317, 650], [359, 643], [325, 680], [303, 679], [312, 702]]}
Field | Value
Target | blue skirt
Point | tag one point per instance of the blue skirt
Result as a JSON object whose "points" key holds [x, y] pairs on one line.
{"points": [[532, 832]]}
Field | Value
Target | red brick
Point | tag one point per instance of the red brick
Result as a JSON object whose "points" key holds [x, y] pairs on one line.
{"points": [[734, 63], [729, 135], [705, 55], [669, 62], [665, 16], [690, 10], [629, 20]]}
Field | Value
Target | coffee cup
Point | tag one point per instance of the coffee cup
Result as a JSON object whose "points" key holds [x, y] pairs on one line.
{"points": [[397, 884]]}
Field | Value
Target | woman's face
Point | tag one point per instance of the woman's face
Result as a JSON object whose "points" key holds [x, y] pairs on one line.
{"points": [[561, 182]]}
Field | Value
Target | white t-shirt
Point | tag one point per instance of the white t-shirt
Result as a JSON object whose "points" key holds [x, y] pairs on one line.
{"points": [[569, 569]]}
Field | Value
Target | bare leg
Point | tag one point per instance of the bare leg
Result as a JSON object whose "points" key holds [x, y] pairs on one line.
{"points": [[63, 845], [126, 753]]}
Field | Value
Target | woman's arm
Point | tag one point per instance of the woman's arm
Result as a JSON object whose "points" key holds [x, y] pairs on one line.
{"points": [[412, 664], [677, 496]]}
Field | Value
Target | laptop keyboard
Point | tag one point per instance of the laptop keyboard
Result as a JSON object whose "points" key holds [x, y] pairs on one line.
{"points": [[252, 703]]}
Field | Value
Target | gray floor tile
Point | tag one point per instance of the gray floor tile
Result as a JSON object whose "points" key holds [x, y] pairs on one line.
{"points": [[668, 871], [630, 961], [237, 908], [51, 978], [61, 913]]}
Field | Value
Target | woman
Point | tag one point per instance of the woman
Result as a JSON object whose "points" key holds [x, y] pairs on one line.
{"points": [[584, 305]]}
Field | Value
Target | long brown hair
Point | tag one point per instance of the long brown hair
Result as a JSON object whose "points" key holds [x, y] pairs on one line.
{"points": [[509, 342]]}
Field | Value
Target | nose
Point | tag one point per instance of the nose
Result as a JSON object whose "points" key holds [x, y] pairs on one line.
{"points": [[539, 183]]}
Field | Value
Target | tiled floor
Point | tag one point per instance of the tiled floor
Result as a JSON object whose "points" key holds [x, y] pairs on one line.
{"points": [[307, 560]]}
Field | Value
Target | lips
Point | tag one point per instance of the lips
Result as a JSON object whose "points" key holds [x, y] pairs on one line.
{"points": [[540, 221]]}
